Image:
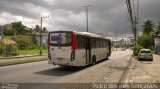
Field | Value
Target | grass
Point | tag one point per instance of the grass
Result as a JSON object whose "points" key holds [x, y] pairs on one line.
{"points": [[6, 62], [32, 52]]}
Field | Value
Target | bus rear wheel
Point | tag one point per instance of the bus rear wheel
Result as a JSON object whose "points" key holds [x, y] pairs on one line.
{"points": [[93, 60]]}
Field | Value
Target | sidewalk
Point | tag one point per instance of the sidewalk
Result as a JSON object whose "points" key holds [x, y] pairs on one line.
{"points": [[19, 56], [145, 71], [118, 49], [5, 61]]}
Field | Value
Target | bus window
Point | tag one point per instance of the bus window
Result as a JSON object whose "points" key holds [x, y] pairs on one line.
{"points": [[84, 42], [93, 44], [79, 42], [101, 43], [104, 43], [97, 43], [60, 38]]}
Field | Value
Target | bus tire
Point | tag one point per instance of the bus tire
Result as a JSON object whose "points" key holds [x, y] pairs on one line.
{"points": [[93, 60], [107, 56]]}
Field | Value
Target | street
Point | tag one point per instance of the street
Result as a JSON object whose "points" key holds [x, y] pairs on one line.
{"points": [[121, 67], [79, 44], [41, 72]]}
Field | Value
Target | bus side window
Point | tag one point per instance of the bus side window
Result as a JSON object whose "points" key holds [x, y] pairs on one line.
{"points": [[79, 42], [97, 43], [107, 44], [84, 42], [104, 43], [93, 43], [101, 45]]}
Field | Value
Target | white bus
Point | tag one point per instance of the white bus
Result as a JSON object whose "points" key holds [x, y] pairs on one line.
{"points": [[71, 48]]}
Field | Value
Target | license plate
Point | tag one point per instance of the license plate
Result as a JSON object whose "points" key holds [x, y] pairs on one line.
{"points": [[60, 59]]}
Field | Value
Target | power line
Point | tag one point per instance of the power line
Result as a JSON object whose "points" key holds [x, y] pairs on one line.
{"points": [[132, 17], [138, 17], [134, 9]]}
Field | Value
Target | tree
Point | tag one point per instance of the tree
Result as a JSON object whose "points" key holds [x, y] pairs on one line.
{"points": [[37, 28], [146, 40], [44, 30], [19, 28], [148, 27], [157, 30], [8, 31]]}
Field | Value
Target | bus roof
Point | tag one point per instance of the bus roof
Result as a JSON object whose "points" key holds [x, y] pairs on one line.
{"points": [[88, 34], [91, 35], [85, 34]]}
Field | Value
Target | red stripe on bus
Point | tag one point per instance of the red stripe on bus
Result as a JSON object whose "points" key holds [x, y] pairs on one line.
{"points": [[74, 44]]}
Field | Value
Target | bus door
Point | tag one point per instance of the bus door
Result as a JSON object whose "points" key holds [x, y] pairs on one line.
{"points": [[88, 50]]}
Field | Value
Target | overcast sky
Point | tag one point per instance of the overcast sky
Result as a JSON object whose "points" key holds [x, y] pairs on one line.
{"points": [[105, 16]]}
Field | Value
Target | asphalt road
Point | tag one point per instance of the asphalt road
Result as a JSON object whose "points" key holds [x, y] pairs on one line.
{"points": [[42, 72]]}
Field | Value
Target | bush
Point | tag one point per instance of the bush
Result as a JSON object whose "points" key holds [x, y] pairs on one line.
{"points": [[14, 50], [146, 40], [1, 49], [137, 49], [24, 41]]}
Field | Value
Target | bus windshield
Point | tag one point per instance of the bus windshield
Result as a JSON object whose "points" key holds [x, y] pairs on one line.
{"points": [[61, 38]]}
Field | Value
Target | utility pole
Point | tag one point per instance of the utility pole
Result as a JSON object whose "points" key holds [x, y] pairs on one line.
{"points": [[133, 21], [135, 28], [1, 32], [87, 15], [125, 40], [116, 38], [40, 52], [138, 18]]}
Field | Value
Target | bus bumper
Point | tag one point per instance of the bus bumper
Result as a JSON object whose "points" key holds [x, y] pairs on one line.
{"points": [[51, 62], [55, 61]]}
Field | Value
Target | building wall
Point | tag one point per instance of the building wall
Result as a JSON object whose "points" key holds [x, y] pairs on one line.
{"points": [[157, 44], [44, 40]]}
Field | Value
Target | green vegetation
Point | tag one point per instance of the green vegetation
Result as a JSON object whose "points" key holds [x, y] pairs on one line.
{"points": [[24, 38], [146, 40], [25, 46], [32, 51], [137, 49], [1, 48], [17, 28], [24, 42], [157, 30], [148, 27]]}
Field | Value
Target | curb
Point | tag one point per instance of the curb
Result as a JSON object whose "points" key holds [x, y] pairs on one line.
{"points": [[13, 57]]}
